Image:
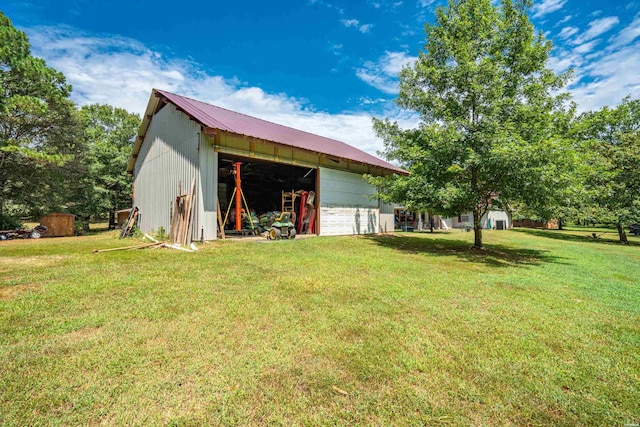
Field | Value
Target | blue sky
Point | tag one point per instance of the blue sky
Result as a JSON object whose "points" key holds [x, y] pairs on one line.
{"points": [[319, 65]]}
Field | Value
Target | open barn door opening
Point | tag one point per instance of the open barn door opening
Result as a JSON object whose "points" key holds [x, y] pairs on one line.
{"points": [[264, 190]]}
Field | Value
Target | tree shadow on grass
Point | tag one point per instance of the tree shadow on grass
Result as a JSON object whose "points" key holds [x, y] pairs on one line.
{"points": [[492, 255], [569, 236]]}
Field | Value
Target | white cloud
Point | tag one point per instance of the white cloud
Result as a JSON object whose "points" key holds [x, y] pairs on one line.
{"points": [[628, 35], [377, 80], [425, 3], [545, 7], [336, 48], [122, 72], [610, 79], [604, 76], [568, 32], [350, 23], [596, 28], [585, 47], [364, 28], [327, 5], [565, 19], [383, 74]]}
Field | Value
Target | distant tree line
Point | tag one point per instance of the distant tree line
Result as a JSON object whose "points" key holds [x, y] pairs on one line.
{"points": [[55, 156], [496, 129]]}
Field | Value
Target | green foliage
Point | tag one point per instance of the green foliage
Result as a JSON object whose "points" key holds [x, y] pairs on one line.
{"points": [[610, 139], [109, 133], [135, 232], [490, 120], [37, 122], [161, 234], [41, 132], [9, 222]]}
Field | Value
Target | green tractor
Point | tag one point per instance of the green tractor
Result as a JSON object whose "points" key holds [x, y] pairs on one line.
{"points": [[282, 228]]}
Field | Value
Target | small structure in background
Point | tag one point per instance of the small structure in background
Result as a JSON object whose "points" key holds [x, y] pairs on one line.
{"points": [[531, 223], [406, 220], [121, 217], [59, 224]]}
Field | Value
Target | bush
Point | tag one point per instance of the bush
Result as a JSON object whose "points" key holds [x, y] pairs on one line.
{"points": [[161, 234], [8, 222], [80, 227]]}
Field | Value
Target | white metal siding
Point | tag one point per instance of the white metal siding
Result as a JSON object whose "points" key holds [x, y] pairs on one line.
{"points": [[168, 155], [207, 212], [496, 216], [344, 205], [387, 217]]}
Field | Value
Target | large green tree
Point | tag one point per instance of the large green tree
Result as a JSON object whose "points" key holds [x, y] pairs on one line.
{"points": [[564, 196], [109, 133], [35, 110], [489, 110], [611, 141]]}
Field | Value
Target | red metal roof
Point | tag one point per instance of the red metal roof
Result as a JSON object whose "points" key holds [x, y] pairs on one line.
{"points": [[220, 118]]}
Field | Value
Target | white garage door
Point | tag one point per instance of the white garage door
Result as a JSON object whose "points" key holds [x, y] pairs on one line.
{"points": [[344, 205]]}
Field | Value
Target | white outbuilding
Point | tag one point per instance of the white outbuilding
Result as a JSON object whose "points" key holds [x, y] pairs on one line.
{"points": [[182, 140]]}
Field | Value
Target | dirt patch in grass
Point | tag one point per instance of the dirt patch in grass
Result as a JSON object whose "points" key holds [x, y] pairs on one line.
{"points": [[9, 263], [10, 292], [82, 334]]}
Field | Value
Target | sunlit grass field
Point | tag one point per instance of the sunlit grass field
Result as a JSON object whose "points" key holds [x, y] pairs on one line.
{"points": [[541, 328]]}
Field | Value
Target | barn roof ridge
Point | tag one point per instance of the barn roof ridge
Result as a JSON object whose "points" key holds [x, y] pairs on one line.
{"points": [[224, 119]]}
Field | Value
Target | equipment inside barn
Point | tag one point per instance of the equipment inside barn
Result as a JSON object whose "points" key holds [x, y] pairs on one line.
{"points": [[282, 228], [246, 222], [253, 203]]}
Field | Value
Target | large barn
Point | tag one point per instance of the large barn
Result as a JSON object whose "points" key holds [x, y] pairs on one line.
{"points": [[181, 139]]}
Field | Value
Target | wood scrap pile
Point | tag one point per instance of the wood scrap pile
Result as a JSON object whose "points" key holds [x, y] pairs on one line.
{"points": [[128, 225], [155, 245], [127, 248], [183, 213]]}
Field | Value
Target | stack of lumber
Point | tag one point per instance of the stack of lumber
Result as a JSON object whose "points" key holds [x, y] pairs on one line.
{"points": [[131, 221], [155, 245], [128, 248], [183, 213]]}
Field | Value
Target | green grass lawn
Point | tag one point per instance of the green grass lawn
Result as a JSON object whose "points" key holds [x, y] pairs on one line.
{"points": [[542, 328]]}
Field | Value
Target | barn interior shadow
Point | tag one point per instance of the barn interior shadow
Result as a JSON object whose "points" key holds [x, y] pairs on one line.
{"points": [[492, 255]]}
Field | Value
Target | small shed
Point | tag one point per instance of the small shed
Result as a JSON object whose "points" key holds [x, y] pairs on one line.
{"points": [[531, 223], [59, 224], [121, 217]]}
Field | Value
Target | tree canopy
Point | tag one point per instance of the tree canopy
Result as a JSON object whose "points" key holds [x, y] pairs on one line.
{"points": [[610, 138], [36, 115], [109, 133], [491, 116], [52, 155]]}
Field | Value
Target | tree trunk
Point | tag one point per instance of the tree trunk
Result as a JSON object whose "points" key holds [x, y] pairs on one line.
{"points": [[622, 234], [560, 225], [477, 229], [431, 222], [112, 219]]}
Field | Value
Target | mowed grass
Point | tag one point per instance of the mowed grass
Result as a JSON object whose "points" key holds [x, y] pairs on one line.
{"points": [[542, 328]]}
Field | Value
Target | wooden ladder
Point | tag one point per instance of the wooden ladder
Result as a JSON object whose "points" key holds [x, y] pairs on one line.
{"points": [[288, 201]]}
